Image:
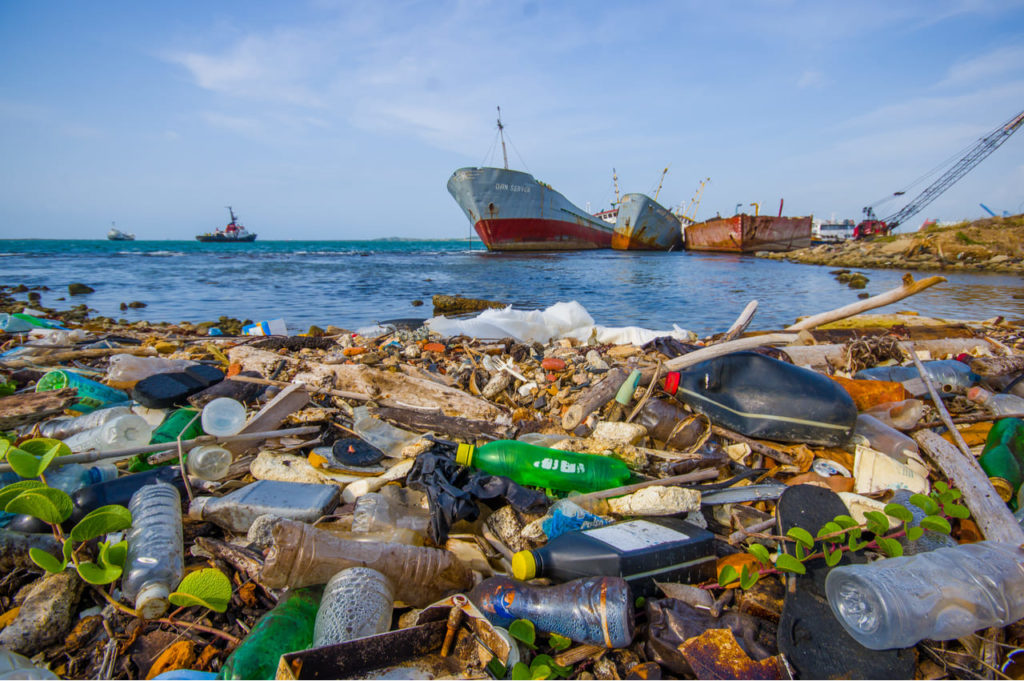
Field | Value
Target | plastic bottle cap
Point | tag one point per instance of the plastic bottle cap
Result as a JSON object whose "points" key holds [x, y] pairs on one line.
{"points": [[672, 382], [195, 509], [464, 455], [524, 565], [975, 394], [151, 602], [1003, 488]]}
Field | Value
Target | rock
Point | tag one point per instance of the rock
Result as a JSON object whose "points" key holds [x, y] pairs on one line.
{"points": [[135, 304], [78, 289], [619, 433], [261, 531], [458, 304], [46, 615], [417, 303]]}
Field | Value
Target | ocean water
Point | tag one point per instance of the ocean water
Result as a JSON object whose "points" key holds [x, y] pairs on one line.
{"points": [[355, 283]]}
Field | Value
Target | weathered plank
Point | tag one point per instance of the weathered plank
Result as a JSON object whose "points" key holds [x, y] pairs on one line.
{"points": [[25, 408]]}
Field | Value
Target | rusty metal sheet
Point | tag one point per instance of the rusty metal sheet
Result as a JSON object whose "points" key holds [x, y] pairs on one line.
{"points": [[749, 233], [715, 654]]}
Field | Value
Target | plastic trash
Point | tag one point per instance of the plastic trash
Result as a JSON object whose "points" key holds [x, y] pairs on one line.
{"points": [[209, 462], [376, 512], [567, 516], [180, 423], [287, 627], [357, 602], [950, 376], [1000, 404], [902, 415], [940, 595], [15, 666], [74, 476], [272, 327], [91, 395], [185, 675], [155, 563], [1002, 459], [236, 511], [124, 371], [761, 397], [640, 551], [873, 433], [594, 610], [381, 434], [121, 432], [61, 428], [302, 555], [164, 390], [542, 467], [223, 417], [673, 425]]}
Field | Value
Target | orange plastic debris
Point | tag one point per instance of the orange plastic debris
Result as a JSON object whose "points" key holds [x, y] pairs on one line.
{"points": [[868, 393], [433, 347], [179, 655], [352, 352], [553, 364]]}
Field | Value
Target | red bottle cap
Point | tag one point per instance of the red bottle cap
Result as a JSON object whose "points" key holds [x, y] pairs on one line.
{"points": [[672, 382]]}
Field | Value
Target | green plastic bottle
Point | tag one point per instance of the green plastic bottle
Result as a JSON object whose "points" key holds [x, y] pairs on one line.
{"points": [[542, 467], [174, 424], [284, 629], [1003, 457]]}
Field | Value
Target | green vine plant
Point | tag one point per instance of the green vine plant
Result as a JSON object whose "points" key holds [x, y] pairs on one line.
{"points": [[209, 588], [542, 665], [843, 533]]}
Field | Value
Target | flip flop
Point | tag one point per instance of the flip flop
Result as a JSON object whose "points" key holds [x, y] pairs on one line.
{"points": [[812, 639]]}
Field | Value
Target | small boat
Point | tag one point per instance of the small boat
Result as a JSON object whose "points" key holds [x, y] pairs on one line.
{"points": [[513, 211], [117, 235], [748, 234], [233, 232]]}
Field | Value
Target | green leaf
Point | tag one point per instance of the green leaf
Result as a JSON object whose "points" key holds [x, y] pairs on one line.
{"points": [[832, 558], [98, 574], [208, 587], [845, 521], [914, 533], [559, 669], [23, 463], [8, 493], [831, 527], [748, 578], [900, 512], [496, 668], [890, 547], [728, 575], [640, 602], [524, 631], [521, 672], [114, 554], [540, 671], [559, 642], [936, 523], [760, 552], [802, 536], [956, 511], [48, 504], [45, 449], [799, 552], [46, 561], [855, 545], [956, 494], [67, 550], [788, 563], [925, 503], [101, 521], [877, 522], [940, 486]]}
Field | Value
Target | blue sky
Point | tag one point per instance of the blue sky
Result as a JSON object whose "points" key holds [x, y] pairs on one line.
{"points": [[326, 119]]}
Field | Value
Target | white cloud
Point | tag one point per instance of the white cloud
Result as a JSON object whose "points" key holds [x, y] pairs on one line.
{"points": [[810, 79], [999, 62]]}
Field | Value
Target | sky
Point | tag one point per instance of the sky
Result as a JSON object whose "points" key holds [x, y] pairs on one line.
{"points": [[344, 119]]}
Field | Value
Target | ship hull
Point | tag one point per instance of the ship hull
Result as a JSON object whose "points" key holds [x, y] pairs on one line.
{"points": [[645, 225], [749, 234], [208, 238], [512, 211]]}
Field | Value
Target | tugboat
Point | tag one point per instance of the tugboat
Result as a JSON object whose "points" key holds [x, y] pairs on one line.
{"points": [[117, 235], [233, 232]]}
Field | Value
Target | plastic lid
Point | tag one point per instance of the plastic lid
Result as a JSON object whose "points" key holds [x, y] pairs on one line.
{"points": [[524, 565], [975, 394], [152, 600], [672, 382], [464, 455], [1003, 488], [52, 380], [195, 509]]}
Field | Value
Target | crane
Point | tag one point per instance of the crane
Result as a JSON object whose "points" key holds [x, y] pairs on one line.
{"points": [[872, 226], [689, 213]]}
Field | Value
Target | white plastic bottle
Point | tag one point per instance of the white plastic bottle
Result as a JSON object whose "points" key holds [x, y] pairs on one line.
{"points": [[1001, 404], [66, 427], [75, 476], [942, 594], [209, 462], [155, 563], [357, 602], [121, 432], [223, 417], [124, 371]]}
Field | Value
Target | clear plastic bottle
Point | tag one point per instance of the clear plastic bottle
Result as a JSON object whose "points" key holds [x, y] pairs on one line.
{"points": [[950, 376], [902, 415], [155, 563], [236, 511], [357, 602], [381, 434], [15, 666], [209, 462], [124, 371], [542, 467], [302, 555], [595, 610], [62, 428], [223, 417], [1000, 404], [287, 627], [74, 476], [375, 512], [873, 433], [941, 595], [121, 432]]}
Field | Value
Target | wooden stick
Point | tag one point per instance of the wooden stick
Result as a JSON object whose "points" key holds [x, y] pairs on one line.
{"points": [[346, 394], [91, 353], [741, 323], [909, 288], [595, 397], [937, 400], [719, 349], [997, 366], [759, 447], [974, 418], [694, 476], [25, 408]]}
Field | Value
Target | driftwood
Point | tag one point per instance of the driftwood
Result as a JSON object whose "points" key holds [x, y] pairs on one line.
{"points": [[990, 513], [712, 351], [741, 323], [398, 389], [755, 446], [822, 355], [694, 476], [271, 416], [909, 288], [433, 420], [25, 408], [997, 366], [937, 401], [244, 560], [595, 397], [91, 353]]}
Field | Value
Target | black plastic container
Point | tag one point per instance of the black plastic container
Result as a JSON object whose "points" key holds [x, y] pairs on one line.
{"points": [[161, 391], [761, 397], [665, 549]]}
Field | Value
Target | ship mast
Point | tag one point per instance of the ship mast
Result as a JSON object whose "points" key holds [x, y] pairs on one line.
{"points": [[660, 182], [501, 131], [615, 181]]}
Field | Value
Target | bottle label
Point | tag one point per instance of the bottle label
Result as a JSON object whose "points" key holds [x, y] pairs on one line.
{"points": [[636, 535], [549, 463]]}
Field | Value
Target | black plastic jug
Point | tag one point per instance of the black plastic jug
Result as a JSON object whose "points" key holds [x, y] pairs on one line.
{"points": [[761, 397]]}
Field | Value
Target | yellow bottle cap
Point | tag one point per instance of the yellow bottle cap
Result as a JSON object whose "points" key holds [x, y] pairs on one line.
{"points": [[1003, 488], [524, 565], [464, 455]]}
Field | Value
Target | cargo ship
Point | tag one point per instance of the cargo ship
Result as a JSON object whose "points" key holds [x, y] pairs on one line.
{"points": [[512, 211], [749, 233], [643, 224]]}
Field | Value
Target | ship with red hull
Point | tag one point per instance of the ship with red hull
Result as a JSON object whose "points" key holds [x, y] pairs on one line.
{"points": [[749, 234], [512, 211]]}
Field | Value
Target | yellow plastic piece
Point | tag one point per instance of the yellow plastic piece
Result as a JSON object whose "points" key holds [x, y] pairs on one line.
{"points": [[524, 565]]}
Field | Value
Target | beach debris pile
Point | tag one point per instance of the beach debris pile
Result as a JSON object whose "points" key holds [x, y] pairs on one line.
{"points": [[513, 495]]}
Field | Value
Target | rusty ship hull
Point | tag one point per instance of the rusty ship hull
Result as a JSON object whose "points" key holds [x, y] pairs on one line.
{"points": [[749, 233], [643, 224], [512, 211]]}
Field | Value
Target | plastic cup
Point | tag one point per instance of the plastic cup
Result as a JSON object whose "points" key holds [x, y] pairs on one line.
{"points": [[91, 394], [223, 417]]}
